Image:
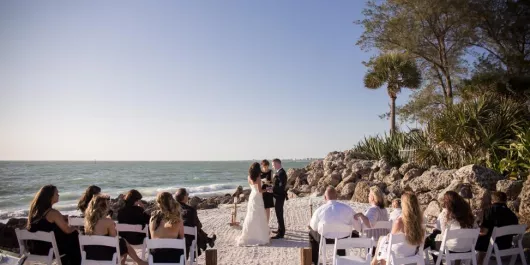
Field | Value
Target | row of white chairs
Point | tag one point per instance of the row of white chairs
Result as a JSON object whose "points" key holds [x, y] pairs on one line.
{"points": [[370, 236], [145, 247]]}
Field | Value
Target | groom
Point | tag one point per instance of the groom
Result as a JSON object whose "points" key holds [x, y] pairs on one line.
{"points": [[279, 192]]}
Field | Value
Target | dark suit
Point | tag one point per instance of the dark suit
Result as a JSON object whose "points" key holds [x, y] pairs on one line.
{"points": [[190, 218], [279, 190]]}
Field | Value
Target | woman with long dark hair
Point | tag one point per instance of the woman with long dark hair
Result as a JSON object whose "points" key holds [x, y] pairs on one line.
{"points": [[86, 197], [42, 217], [98, 223], [133, 213], [456, 214], [166, 222], [255, 228]]}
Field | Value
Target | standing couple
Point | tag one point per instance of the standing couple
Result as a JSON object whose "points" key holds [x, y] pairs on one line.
{"points": [[266, 192]]}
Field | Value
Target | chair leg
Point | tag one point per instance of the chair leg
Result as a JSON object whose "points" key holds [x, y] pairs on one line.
{"points": [[474, 259], [439, 259], [521, 253], [498, 258], [513, 258]]}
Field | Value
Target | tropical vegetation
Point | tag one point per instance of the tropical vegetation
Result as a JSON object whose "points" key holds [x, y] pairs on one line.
{"points": [[470, 109]]}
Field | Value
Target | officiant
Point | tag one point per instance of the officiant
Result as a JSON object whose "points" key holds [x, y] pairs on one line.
{"points": [[266, 178]]}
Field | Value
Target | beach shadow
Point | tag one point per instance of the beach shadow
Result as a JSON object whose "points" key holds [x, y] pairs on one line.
{"points": [[289, 243]]}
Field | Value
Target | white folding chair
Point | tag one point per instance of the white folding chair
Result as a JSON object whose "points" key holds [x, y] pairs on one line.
{"points": [[329, 232], [353, 243], [76, 221], [394, 259], [469, 235], [192, 231], [107, 241], [516, 249], [135, 229], [24, 235], [166, 243], [381, 228]]}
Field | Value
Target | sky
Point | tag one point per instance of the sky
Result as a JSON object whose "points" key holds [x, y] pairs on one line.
{"points": [[183, 80]]}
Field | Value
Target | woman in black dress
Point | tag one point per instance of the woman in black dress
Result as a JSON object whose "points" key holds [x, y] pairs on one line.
{"points": [[133, 213], [42, 217], [266, 176]]}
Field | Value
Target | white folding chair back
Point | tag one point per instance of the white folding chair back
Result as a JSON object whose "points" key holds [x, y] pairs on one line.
{"points": [[188, 230], [353, 243], [517, 248], [395, 259], [135, 229], [381, 228], [329, 232], [166, 243], [24, 235], [468, 235], [76, 221], [107, 241]]}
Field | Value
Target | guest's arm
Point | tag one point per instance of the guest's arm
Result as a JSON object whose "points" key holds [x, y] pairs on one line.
{"points": [[57, 218], [181, 229], [111, 227], [363, 218], [197, 221]]}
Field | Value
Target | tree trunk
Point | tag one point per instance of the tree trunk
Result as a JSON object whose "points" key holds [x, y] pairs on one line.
{"points": [[393, 114]]}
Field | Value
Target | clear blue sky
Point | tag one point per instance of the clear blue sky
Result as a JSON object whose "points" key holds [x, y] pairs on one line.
{"points": [[183, 80]]}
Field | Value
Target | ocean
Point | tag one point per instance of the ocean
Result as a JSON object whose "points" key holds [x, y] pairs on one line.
{"points": [[19, 181]]}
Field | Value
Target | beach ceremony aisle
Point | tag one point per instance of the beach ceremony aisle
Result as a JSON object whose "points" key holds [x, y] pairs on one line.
{"points": [[280, 252]]}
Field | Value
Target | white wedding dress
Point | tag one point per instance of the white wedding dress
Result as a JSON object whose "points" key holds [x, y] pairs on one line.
{"points": [[255, 227]]}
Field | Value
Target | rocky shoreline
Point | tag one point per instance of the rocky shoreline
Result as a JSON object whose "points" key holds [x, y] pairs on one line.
{"points": [[352, 175]]}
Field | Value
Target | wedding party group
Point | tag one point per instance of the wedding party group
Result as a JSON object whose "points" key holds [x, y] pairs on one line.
{"points": [[267, 191]]}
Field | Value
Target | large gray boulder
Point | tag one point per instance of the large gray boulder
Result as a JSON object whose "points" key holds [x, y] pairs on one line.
{"points": [[295, 173], [433, 179], [406, 167], [314, 176], [362, 189], [348, 190], [524, 207], [392, 177], [512, 188], [478, 175]]}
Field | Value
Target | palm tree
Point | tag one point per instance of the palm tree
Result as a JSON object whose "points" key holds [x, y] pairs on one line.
{"points": [[397, 70]]}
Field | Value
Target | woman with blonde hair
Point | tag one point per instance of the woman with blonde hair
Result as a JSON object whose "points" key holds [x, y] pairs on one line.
{"points": [[166, 222], [97, 223], [376, 212], [410, 224]]}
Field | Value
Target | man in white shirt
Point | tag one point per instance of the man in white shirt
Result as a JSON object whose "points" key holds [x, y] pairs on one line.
{"points": [[331, 214]]}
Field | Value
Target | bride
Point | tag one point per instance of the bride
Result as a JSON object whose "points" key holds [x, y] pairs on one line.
{"points": [[255, 228]]}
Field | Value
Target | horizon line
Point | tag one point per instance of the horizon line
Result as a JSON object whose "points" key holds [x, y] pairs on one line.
{"points": [[95, 160]]}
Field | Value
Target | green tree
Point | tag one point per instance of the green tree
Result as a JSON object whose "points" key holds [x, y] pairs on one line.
{"points": [[433, 31], [397, 71]]}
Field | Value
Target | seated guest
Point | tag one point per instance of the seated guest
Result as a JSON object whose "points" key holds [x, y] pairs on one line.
{"points": [[42, 217], [376, 212], [166, 222], [456, 214], [498, 215], [396, 204], [410, 224], [86, 197], [133, 213], [190, 218], [330, 214], [97, 223]]}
